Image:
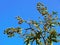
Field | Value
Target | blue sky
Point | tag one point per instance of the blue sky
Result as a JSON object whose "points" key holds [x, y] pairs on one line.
{"points": [[9, 9]]}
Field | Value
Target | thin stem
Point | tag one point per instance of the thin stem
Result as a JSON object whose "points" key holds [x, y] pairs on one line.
{"points": [[44, 39]]}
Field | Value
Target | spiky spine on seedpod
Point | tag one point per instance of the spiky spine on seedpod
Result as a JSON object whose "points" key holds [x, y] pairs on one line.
{"points": [[20, 20]]}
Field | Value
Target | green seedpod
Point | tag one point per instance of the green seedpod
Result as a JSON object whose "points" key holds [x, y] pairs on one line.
{"points": [[18, 30], [44, 12], [32, 34], [18, 18], [59, 23], [38, 4], [20, 21], [54, 13], [54, 40], [44, 8], [10, 34]]}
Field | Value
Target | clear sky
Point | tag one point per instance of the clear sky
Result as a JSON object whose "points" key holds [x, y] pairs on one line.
{"points": [[9, 9]]}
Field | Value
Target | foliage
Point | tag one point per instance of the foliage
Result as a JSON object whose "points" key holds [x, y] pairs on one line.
{"points": [[41, 31]]}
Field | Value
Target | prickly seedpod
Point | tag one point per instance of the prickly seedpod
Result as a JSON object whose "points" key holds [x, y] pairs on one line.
{"points": [[54, 13], [45, 28], [38, 4], [18, 17], [20, 22], [43, 8], [44, 12]]}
